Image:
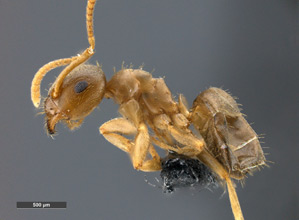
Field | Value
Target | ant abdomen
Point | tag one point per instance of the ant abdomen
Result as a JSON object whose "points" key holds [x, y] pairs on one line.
{"points": [[228, 135], [82, 90]]}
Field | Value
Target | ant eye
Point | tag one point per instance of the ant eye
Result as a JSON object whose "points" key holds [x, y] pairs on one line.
{"points": [[81, 86]]}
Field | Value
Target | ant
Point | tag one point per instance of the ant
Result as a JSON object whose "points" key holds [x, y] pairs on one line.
{"points": [[226, 143]]}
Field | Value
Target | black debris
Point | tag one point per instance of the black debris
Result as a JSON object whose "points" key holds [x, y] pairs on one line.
{"points": [[179, 171]]}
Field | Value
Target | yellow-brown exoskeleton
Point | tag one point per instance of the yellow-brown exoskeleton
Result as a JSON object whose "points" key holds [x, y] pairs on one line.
{"points": [[226, 143]]}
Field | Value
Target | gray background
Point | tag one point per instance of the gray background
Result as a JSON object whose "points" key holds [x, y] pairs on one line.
{"points": [[248, 47]]}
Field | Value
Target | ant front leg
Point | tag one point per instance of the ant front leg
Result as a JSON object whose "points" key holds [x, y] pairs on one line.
{"points": [[138, 149], [113, 131]]}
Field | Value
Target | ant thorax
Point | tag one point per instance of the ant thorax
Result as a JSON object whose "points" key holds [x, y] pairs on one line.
{"points": [[151, 93]]}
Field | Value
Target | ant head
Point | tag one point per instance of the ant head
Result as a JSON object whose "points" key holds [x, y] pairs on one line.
{"points": [[81, 91]]}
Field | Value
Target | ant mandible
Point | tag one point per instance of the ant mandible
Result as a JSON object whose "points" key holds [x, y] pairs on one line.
{"points": [[226, 144]]}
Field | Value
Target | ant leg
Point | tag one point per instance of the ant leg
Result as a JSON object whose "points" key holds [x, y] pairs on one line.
{"points": [[187, 151], [154, 164], [183, 106], [154, 153], [166, 146], [141, 147], [132, 111], [215, 166], [113, 131], [187, 138], [182, 134]]}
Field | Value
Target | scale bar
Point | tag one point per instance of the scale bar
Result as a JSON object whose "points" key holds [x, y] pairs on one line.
{"points": [[41, 205]]}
